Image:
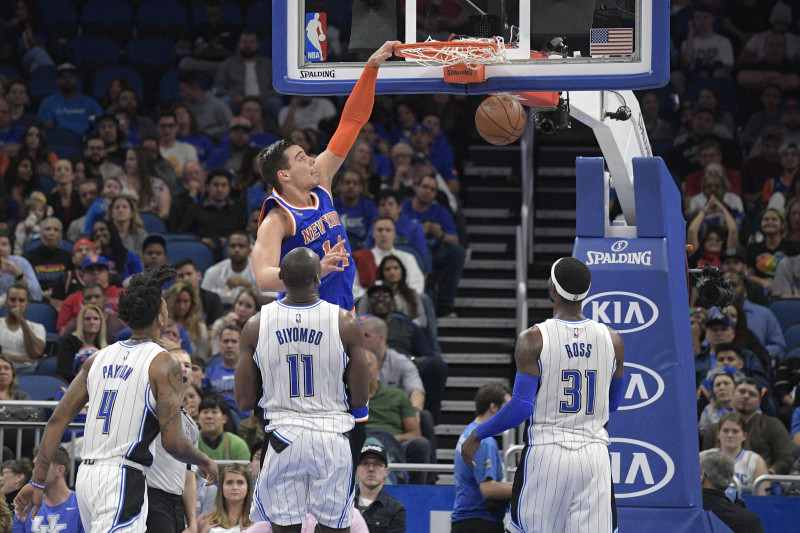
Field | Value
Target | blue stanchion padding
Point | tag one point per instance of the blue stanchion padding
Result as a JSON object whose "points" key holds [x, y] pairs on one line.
{"points": [[421, 501], [639, 288]]}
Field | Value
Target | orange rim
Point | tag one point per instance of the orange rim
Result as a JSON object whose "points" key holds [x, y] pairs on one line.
{"points": [[432, 49]]}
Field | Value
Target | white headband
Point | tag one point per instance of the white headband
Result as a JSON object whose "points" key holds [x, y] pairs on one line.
{"points": [[563, 292]]}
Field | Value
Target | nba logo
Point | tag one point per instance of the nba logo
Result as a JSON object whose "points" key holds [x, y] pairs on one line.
{"points": [[298, 318], [316, 36]]}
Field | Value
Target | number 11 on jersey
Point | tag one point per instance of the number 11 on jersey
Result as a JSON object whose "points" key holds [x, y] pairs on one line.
{"points": [[294, 376]]}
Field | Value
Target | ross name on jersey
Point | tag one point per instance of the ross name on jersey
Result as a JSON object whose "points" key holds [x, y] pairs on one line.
{"points": [[578, 349], [122, 372], [317, 229], [308, 335]]}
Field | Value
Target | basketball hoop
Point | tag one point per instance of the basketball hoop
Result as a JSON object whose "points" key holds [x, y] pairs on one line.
{"points": [[462, 58]]}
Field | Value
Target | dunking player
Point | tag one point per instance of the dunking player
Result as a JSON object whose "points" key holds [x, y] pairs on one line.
{"points": [[133, 390], [563, 482], [304, 350], [302, 190]]}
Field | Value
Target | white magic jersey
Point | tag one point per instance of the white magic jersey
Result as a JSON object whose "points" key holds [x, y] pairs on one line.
{"points": [[121, 418], [576, 364], [302, 362]]}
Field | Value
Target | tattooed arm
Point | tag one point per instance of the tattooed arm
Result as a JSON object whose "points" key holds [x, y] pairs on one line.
{"points": [[166, 380], [30, 497]]}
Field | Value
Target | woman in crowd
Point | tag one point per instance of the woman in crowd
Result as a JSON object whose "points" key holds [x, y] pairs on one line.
{"points": [[20, 182], [303, 139], [231, 512], [191, 401], [747, 465], [139, 182], [125, 217], [362, 160], [64, 199], [246, 305], [33, 145], [185, 307], [725, 125], [16, 474], [90, 331], [189, 132], [763, 256], [720, 402], [657, 128], [406, 300], [405, 117], [708, 250], [121, 261], [116, 86], [29, 225], [792, 211]]}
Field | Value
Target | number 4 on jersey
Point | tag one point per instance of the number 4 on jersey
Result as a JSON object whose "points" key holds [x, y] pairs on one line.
{"points": [[106, 407]]}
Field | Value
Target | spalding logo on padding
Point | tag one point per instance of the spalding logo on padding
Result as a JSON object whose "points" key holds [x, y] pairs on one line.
{"points": [[626, 312], [644, 386], [638, 467]]}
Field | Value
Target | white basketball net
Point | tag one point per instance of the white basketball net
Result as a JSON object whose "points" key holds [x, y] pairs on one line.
{"points": [[456, 52]]}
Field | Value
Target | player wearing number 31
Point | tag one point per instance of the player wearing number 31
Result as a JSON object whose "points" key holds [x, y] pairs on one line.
{"points": [[576, 365], [133, 391], [309, 356], [300, 210]]}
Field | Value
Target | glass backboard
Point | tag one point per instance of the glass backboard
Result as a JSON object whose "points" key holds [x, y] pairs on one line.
{"points": [[320, 46]]}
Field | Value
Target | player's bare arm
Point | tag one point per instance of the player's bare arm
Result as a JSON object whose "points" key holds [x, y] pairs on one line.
{"points": [[266, 252], [357, 372], [526, 355], [356, 113], [166, 381], [619, 353], [247, 379], [30, 497]]}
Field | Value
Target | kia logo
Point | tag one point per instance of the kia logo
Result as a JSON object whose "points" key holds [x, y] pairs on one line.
{"points": [[619, 246], [624, 311], [644, 387], [639, 467]]}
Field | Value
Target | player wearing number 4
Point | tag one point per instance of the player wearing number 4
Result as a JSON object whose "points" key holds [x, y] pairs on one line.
{"points": [[133, 389], [578, 365], [300, 211], [309, 356]]}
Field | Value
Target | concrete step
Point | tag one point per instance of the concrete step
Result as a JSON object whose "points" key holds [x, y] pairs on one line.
{"points": [[554, 214], [482, 323], [487, 303], [486, 212], [555, 172], [495, 189], [450, 429], [481, 343], [481, 283], [445, 454], [490, 264], [459, 406], [477, 358], [473, 383], [550, 191], [550, 231], [488, 229], [553, 248], [487, 171], [489, 247]]}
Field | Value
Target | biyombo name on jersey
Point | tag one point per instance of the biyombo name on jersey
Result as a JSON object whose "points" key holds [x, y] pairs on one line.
{"points": [[611, 258], [308, 335]]}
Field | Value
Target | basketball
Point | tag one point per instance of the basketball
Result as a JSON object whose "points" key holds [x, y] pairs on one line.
{"points": [[500, 119]]}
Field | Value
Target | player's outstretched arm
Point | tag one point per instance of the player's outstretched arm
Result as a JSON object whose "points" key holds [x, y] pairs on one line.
{"points": [[521, 405], [247, 379], [29, 498], [266, 254], [355, 114], [166, 381]]}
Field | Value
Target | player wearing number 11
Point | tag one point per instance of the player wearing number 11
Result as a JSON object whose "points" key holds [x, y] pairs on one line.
{"points": [[563, 482], [309, 356]]}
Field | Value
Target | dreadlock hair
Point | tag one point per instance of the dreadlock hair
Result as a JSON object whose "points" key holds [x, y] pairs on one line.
{"points": [[140, 305], [573, 276], [272, 159]]}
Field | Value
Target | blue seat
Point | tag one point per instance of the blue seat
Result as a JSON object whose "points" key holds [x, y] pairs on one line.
{"points": [[792, 336], [172, 237], [423, 266], [94, 51], [793, 353], [46, 183], [196, 250], [65, 143], [103, 77], [259, 17], [59, 18], [787, 312], [152, 224], [168, 87], [230, 13], [150, 51], [9, 71], [48, 365], [161, 18], [44, 315], [41, 387], [112, 18], [64, 245], [43, 83]]}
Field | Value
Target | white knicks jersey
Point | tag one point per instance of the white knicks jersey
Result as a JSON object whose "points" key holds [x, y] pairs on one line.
{"points": [[576, 366], [302, 363], [121, 418]]}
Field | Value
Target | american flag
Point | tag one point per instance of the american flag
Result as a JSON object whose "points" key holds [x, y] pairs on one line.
{"points": [[611, 41]]}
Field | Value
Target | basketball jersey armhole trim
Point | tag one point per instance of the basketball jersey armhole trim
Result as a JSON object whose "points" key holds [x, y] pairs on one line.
{"points": [[280, 202]]}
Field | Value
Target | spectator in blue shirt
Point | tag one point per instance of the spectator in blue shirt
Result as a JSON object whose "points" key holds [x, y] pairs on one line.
{"points": [[59, 510], [68, 108], [481, 496], [16, 270], [188, 132], [10, 136], [409, 232], [356, 212], [442, 235], [220, 376], [760, 319]]}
